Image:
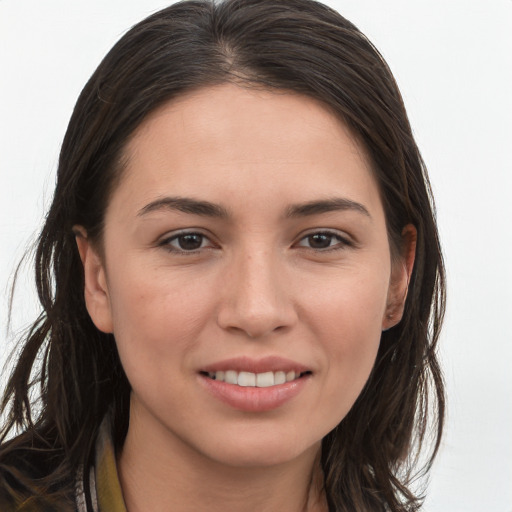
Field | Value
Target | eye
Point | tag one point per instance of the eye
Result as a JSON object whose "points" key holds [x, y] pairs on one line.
{"points": [[186, 242], [323, 240]]}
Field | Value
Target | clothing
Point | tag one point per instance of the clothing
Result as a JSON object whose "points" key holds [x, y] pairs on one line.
{"points": [[105, 489], [106, 494]]}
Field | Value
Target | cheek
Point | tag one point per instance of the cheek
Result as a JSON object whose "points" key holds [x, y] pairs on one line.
{"points": [[157, 317], [351, 306], [346, 320]]}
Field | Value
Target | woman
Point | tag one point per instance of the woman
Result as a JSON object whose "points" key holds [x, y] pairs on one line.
{"points": [[240, 274]]}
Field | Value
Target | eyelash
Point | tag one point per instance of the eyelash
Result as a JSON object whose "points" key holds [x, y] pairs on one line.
{"points": [[167, 242], [342, 242]]}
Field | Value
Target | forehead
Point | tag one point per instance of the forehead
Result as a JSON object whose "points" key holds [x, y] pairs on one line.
{"points": [[245, 139]]}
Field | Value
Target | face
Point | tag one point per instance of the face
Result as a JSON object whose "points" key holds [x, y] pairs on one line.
{"points": [[245, 273]]}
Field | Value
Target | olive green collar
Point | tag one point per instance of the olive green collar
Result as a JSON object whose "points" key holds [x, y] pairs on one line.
{"points": [[105, 489]]}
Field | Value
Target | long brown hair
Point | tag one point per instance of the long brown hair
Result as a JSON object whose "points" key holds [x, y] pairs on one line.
{"points": [[371, 457]]}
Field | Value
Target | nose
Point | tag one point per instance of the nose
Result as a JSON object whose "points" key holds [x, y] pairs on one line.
{"points": [[255, 298]]}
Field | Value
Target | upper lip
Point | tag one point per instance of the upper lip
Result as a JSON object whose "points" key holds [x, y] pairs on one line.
{"points": [[262, 365]]}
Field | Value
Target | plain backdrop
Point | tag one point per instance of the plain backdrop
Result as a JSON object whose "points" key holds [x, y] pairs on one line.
{"points": [[453, 62]]}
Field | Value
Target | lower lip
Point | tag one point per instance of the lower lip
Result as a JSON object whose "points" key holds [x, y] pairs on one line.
{"points": [[253, 399]]}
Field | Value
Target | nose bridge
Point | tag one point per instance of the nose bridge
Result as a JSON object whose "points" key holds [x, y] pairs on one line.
{"points": [[255, 300]]}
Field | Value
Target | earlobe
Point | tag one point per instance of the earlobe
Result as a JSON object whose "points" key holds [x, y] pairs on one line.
{"points": [[95, 282], [400, 278]]}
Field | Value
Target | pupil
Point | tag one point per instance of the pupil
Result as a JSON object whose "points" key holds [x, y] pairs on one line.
{"points": [[320, 241], [190, 242]]}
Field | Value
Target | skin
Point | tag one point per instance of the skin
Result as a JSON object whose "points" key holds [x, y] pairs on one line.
{"points": [[257, 286]]}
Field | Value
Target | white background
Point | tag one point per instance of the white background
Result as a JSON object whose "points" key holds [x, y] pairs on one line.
{"points": [[453, 62]]}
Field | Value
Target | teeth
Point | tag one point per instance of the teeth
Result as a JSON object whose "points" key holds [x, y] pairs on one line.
{"points": [[259, 380], [246, 379], [265, 380], [280, 377], [231, 377], [290, 376]]}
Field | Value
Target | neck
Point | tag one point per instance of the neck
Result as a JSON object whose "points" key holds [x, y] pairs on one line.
{"points": [[159, 473]]}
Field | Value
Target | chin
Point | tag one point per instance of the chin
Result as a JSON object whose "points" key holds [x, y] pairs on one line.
{"points": [[264, 448]]}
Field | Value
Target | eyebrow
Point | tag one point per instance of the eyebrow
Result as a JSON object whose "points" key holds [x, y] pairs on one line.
{"points": [[186, 205], [208, 209], [325, 206]]}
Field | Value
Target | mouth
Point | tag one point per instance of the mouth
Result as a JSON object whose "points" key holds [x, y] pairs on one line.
{"points": [[255, 385], [257, 380]]}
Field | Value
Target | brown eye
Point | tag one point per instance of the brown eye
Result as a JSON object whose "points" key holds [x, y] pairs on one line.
{"points": [[320, 240], [323, 240], [186, 242], [190, 242]]}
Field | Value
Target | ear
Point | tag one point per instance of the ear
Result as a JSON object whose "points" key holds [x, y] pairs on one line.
{"points": [[400, 277], [95, 283]]}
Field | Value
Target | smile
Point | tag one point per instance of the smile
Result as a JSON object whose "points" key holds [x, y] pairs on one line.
{"points": [[259, 380], [255, 385]]}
